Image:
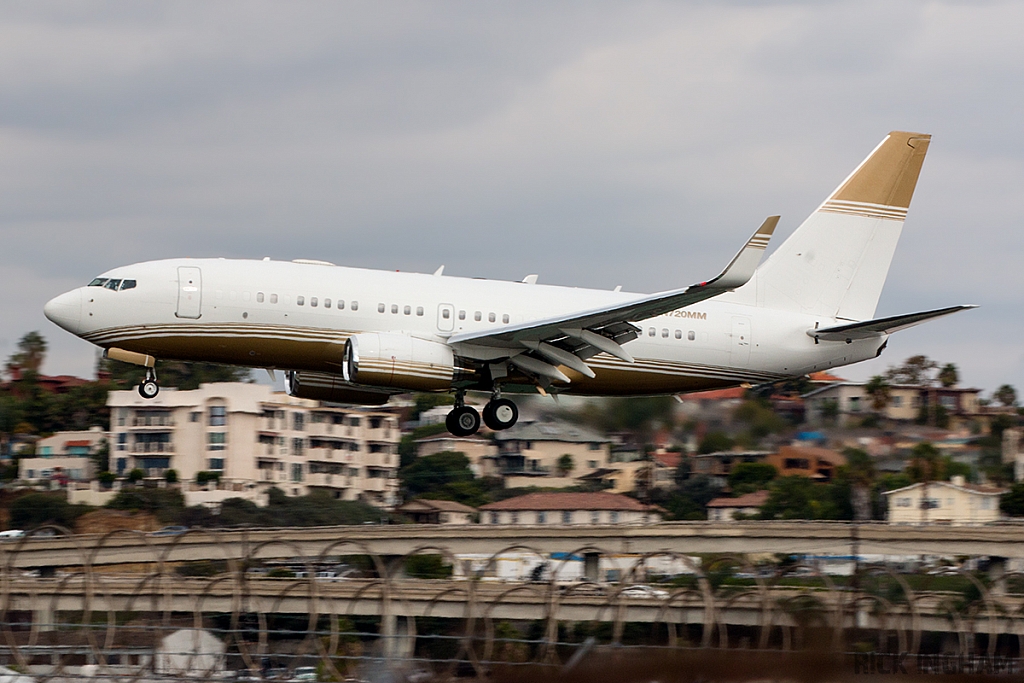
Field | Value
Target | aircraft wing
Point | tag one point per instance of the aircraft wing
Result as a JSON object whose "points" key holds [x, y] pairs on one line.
{"points": [[583, 334], [880, 326]]}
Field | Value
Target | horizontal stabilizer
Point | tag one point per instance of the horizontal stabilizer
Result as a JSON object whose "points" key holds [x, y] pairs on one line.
{"points": [[880, 326]]}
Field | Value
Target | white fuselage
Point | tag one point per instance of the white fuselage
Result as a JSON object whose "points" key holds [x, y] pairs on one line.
{"points": [[296, 316]]}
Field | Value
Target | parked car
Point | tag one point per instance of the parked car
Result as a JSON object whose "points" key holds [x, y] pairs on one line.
{"points": [[11, 534], [170, 531], [303, 673]]}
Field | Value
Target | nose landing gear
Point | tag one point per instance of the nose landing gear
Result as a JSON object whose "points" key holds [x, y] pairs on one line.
{"points": [[499, 413], [149, 388]]}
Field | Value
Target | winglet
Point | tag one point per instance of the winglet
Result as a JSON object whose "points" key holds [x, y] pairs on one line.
{"points": [[743, 264]]}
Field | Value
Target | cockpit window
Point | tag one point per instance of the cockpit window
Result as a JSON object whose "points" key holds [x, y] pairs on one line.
{"points": [[98, 282], [127, 284], [113, 284]]}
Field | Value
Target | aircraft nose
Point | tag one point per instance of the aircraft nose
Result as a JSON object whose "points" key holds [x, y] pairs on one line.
{"points": [[65, 310]]}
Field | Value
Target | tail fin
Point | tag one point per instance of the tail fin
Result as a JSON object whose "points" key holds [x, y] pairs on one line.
{"points": [[836, 262]]}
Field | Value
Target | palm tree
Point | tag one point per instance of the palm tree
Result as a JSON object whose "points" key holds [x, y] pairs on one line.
{"points": [[925, 466], [949, 376], [880, 391], [861, 469]]}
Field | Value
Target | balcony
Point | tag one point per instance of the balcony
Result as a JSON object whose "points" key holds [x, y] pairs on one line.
{"points": [[152, 421], [337, 481], [140, 448]]}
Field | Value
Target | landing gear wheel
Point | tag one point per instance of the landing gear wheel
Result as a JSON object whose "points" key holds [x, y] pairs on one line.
{"points": [[500, 413], [463, 421], [149, 389]]}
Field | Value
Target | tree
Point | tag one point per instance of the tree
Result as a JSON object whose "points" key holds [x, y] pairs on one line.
{"points": [[432, 473], [1012, 502], [916, 371], [136, 475], [830, 410], [879, 391], [714, 442], [1006, 395], [566, 464], [861, 470], [799, 497], [30, 355], [180, 374], [37, 509], [925, 466], [761, 418], [748, 477], [949, 376], [171, 476]]}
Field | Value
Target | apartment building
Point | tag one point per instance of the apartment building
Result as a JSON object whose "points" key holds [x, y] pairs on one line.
{"points": [[63, 457], [248, 433]]}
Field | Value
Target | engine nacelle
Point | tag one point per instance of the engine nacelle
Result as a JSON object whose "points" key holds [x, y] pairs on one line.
{"points": [[398, 360], [323, 386]]}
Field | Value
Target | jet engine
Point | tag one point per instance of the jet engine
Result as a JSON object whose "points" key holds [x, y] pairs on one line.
{"points": [[323, 386], [400, 361]]}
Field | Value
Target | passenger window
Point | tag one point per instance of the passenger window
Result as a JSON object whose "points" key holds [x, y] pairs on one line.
{"points": [[394, 308], [679, 334], [98, 282], [419, 310], [273, 298], [327, 303], [259, 297], [490, 317], [462, 315], [355, 305], [127, 284], [504, 318], [312, 301], [664, 332], [690, 335], [477, 316], [300, 301], [341, 304], [380, 308], [651, 332], [407, 310], [113, 284], [445, 313]]}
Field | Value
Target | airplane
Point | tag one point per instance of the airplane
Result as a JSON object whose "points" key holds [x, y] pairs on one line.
{"points": [[359, 336]]}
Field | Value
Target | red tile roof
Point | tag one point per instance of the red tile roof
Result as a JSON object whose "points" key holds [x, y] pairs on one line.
{"points": [[75, 444], [714, 395], [824, 377], [601, 500], [669, 459], [748, 500]]}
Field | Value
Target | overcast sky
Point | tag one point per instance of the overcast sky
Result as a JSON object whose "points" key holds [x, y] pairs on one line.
{"points": [[597, 144]]}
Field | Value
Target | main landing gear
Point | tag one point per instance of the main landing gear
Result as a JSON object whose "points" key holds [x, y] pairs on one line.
{"points": [[499, 413], [149, 388]]}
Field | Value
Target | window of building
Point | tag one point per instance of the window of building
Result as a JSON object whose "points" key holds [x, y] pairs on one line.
{"points": [[419, 311], [312, 301], [896, 401], [327, 303], [216, 440], [381, 308], [613, 516], [515, 517], [407, 310], [566, 516], [394, 308], [478, 316], [122, 441], [353, 422], [902, 502], [273, 298], [595, 517], [298, 421], [298, 445], [948, 402], [296, 471], [592, 464], [216, 464], [494, 518], [491, 317], [300, 301], [541, 517], [218, 416], [691, 335], [259, 297], [594, 446]]}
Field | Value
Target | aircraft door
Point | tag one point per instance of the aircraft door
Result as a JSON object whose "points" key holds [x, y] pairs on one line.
{"points": [[445, 317], [739, 350], [190, 292]]}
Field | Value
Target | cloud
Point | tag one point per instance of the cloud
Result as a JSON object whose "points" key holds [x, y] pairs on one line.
{"points": [[597, 144]]}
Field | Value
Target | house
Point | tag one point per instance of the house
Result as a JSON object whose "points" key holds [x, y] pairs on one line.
{"points": [[251, 436], [64, 457], [807, 461], [429, 511], [847, 403], [953, 502], [532, 450], [480, 452], [569, 508], [719, 464], [726, 509]]}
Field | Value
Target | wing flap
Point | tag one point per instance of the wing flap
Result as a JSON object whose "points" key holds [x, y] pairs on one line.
{"points": [[881, 326]]}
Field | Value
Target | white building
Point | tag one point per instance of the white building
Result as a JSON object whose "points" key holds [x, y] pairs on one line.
{"points": [[726, 509], [568, 509], [953, 502], [249, 434], [64, 457], [532, 450]]}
